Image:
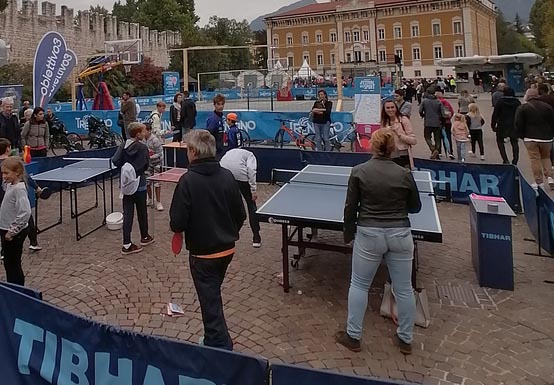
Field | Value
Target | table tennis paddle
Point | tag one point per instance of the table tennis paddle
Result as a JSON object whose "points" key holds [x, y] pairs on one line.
{"points": [[45, 193], [177, 243]]}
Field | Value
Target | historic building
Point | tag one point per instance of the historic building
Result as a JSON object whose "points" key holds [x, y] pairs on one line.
{"points": [[365, 35]]}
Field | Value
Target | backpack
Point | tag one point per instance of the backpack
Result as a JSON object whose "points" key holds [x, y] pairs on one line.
{"points": [[129, 181], [150, 118]]}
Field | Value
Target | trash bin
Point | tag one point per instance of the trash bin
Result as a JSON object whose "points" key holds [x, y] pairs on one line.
{"points": [[491, 241]]}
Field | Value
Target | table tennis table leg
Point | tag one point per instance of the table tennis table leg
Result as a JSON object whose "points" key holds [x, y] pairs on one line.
{"points": [[415, 265], [285, 253], [60, 218]]}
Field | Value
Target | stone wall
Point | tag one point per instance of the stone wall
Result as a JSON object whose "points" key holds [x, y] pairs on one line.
{"points": [[85, 33]]}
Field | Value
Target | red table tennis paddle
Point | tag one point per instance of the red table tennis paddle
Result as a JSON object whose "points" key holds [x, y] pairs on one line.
{"points": [[177, 243]]}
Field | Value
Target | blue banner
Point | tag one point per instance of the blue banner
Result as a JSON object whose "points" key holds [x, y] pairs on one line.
{"points": [[12, 91], [41, 344], [53, 63], [172, 83], [367, 85], [290, 375], [545, 213]]}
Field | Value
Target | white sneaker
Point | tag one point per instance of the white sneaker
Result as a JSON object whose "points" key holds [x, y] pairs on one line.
{"points": [[159, 206], [470, 152], [35, 247], [536, 186], [463, 160], [482, 157], [149, 202], [550, 182]]}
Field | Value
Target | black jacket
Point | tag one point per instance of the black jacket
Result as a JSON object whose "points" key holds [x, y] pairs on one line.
{"points": [[380, 194], [207, 207], [503, 116], [188, 111], [9, 129], [326, 116], [534, 120], [136, 153]]}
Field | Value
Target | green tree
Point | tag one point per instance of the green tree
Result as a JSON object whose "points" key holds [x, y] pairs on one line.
{"points": [[510, 41], [99, 9], [14, 73], [260, 56], [548, 33], [3, 5], [128, 11], [538, 20], [517, 24], [146, 78], [161, 15]]}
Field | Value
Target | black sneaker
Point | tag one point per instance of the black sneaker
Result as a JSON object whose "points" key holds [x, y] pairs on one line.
{"points": [[257, 241], [348, 342], [131, 249], [146, 240], [404, 347]]}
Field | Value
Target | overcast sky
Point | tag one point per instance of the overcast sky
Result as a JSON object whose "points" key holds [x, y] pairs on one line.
{"points": [[230, 9]]}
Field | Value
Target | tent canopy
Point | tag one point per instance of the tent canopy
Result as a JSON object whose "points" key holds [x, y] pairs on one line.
{"points": [[305, 72]]}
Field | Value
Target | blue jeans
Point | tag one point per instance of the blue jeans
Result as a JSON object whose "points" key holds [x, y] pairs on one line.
{"points": [[322, 135], [461, 149], [370, 246]]}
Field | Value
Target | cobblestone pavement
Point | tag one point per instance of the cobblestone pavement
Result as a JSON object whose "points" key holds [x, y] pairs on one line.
{"points": [[477, 336]]}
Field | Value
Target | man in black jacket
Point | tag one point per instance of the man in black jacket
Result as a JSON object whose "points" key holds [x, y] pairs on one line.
{"points": [[188, 110], [9, 124], [502, 123], [534, 123], [207, 207]]}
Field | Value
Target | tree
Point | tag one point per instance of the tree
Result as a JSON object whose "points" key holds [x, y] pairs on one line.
{"points": [[548, 32], [3, 5], [260, 38], [537, 19], [509, 40], [99, 9], [161, 15], [128, 11], [14, 73], [517, 24], [146, 78]]}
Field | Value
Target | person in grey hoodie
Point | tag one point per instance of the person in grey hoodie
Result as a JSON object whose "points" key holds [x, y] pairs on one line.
{"points": [[432, 112], [14, 218]]}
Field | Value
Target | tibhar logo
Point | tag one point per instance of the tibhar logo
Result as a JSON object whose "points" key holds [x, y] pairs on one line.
{"points": [[274, 220], [496, 237], [367, 85]]}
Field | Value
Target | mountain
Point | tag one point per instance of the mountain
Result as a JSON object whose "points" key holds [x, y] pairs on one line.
{"points": [[258, 23], [508, 7], [512, 7]]}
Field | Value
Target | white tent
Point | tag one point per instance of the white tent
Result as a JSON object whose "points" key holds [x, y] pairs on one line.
{"points": [[277, 75], [305, 72]]}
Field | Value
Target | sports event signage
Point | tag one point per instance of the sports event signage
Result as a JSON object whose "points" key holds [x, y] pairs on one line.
{"points": [[53, 63]]}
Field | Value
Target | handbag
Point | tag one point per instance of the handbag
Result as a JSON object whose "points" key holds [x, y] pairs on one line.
{"points": [[389, 309]]}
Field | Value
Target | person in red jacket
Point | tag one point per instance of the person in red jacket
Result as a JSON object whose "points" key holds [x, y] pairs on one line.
{"points": [[446, 125]]}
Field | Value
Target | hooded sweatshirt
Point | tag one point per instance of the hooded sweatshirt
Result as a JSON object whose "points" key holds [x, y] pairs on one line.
{"points": [[432, 111], [136, 153], [503, 116], [207, 207]]}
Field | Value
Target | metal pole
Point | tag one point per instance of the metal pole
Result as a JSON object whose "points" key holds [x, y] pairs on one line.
{"points": [[271, 96], [248, 97], [185, 69]]}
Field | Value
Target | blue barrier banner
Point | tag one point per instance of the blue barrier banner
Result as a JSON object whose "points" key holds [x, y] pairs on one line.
{"points": [[269, 158], [53, 64], [546, 220], [23, 289], [41, 344], [172, 83], [529, 201], [467, 178], [290, 375]]}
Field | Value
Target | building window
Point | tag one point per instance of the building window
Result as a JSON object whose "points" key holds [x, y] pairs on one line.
{"points": [[290, 61], [356, 35], [333, 37], [459, 50], [438, 52], [415, 30], [366, 35], [398, 32], [305, 39], [439, 72], [320, 60], [357, 56], [457, 27], [333, 59], [275, 42], [347, 37], [367, 57], [399, 52], [417, 73], [289, 40], [436, 29], [381, 34], [416, 53], [382, 56], [348, 58], [307, 58], [318, 38]]}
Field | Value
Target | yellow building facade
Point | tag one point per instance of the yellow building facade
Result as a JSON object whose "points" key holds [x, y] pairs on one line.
{"points": [[366, 35]]}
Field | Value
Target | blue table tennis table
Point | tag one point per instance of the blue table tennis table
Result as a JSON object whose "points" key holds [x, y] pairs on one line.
{"points": [[314, 198], [73, 176]]}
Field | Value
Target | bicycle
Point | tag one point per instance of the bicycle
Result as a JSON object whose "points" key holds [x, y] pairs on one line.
{"points": [[61, 140], [301, 140], [100, 135], [352, 136], [243, 136]]}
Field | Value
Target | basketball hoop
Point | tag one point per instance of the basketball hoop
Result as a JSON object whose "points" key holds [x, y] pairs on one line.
{"points": [[127, 68]]}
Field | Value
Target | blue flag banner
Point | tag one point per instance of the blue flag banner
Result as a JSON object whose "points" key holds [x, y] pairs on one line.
{"points": [[172, 83], [290, 375], [53, 64], [40, 345]]}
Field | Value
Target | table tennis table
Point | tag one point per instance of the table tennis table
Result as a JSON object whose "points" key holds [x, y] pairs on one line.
{"points": [[314, 198], [175, 146], [73, 176], [172, 175]]}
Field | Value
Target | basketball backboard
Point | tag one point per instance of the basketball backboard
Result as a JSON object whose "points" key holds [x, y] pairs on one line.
{"points": [[278, 64], [127, 51]]}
